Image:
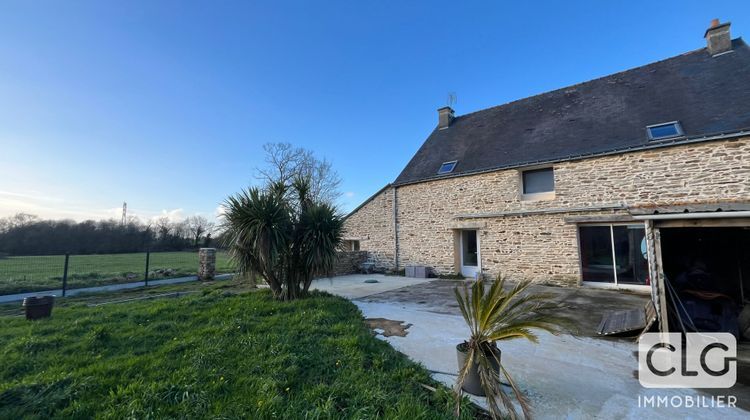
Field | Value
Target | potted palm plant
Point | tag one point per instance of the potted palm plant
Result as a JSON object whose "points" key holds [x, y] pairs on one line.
{"points": [[493, 315]]}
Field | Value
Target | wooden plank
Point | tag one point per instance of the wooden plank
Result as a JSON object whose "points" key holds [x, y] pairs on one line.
{"points": [[622, 321], [618, 322], [650, 318]]}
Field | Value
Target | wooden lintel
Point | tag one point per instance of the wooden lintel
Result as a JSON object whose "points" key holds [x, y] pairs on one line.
{"points": [[599, 218]]}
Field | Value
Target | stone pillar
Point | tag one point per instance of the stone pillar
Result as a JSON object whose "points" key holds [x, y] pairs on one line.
{"points": [[206, 263]]}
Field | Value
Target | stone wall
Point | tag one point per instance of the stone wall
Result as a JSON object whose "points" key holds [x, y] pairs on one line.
{"points": [[542, 247], [348, 262], [206, 263], [372, 226]]}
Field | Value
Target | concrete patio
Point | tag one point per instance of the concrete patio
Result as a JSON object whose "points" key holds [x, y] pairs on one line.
{"points": [[354, 286], [566, 376]]}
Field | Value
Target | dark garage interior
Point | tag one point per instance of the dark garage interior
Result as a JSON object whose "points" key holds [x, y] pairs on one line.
{"points": [[708, 270], [708, 283]]}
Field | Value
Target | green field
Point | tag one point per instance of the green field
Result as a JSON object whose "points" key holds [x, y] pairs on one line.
{"points": [[29, 274], [214, 354]]}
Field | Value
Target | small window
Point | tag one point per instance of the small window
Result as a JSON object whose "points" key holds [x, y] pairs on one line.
{"points": [[664, 131], [538, 181], [351, 245], [447, 167]]}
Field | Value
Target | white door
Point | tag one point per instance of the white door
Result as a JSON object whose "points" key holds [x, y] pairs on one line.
{"points": [[470, 261]]}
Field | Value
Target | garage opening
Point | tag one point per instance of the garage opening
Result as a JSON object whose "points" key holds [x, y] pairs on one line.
{"points": [[708, 278]]}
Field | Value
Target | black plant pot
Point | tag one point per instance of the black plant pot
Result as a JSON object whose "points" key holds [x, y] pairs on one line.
{"points": [[472, 383], [38, 307]]}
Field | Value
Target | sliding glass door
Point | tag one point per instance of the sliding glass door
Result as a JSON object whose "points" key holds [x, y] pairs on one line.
{"points": [[613, 254]]}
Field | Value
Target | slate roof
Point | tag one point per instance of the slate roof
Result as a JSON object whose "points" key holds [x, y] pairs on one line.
{"points": [[709, 96]]}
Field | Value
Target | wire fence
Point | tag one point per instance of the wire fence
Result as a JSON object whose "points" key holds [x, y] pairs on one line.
{"points": [[22, 274]]}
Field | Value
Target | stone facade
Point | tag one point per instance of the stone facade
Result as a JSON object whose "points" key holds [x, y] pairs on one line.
{"points": [[372, 225], [535, 241], [206, 263], [348, 262]]}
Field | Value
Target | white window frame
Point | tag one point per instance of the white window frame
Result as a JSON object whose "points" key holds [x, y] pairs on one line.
{"points": [[602, 285]]}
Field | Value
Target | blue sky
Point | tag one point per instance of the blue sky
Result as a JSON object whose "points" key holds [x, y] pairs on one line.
{"points": [[166, 104]]}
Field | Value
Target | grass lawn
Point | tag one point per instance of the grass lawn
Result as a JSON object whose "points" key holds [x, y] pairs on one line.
{"points": [[29, 274], [214, 353]]}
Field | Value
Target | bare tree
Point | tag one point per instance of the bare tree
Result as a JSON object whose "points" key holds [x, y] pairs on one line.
{"points": [[23, 219], [285, 162], [17, 220], [182, 230], [163, 226], [197, 226]]}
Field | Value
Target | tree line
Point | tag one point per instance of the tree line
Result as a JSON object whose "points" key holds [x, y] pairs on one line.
{"points": [[26, 234]]}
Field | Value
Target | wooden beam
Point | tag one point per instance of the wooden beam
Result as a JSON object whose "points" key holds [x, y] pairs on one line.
{"points": [[600, 218], [660, 284], [656, 274]]}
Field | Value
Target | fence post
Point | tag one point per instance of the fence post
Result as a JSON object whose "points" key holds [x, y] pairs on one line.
{"points": [[65, 274], [148, 255]]}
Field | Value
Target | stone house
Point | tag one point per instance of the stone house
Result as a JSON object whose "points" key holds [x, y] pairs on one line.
{"points": [[608, 183]]}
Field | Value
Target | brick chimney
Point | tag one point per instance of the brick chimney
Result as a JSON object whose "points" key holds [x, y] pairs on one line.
{"points": [[445, 117], [718, 38]]}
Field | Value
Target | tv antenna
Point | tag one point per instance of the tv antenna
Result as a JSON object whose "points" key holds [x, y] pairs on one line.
{"points": [[124, 213], [452, 98]]}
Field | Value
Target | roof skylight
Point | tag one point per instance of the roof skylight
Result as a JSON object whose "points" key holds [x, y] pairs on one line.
{"points": [[447, 167], [664, 131]]}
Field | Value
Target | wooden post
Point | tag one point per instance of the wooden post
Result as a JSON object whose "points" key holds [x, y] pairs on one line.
{"points": [[656, 274], [664, 322]]}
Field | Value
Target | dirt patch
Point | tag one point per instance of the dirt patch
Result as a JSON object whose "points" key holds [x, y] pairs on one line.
{"points": [[388, 326]]}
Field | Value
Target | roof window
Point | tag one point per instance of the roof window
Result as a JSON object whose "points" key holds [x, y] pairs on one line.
{"points": [[447, 167], [664, 131]]}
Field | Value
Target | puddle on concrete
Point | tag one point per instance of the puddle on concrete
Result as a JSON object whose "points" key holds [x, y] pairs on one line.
{"points": [[388, 327]]}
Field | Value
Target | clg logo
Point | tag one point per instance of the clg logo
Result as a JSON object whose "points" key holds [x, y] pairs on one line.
{"points": [[692, 360]]}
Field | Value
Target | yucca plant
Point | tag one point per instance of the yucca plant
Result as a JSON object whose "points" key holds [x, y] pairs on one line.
{"points": [[282, 235], [494, 315]]}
